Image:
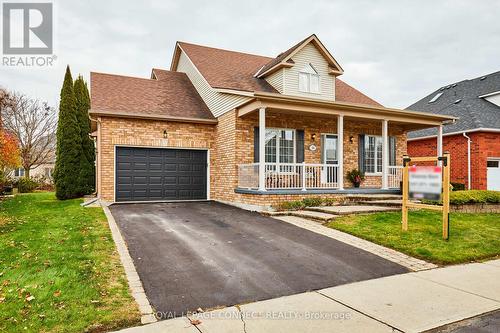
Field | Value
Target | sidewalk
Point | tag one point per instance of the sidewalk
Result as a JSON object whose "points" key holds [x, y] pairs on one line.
{"points": [[412, 302]]}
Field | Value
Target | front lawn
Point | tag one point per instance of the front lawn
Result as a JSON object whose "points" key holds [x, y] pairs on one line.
{"points": [[59, 271], [472, 236]]}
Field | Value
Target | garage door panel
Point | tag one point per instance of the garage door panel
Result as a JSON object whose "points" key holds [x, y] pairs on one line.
{"points": [[160, 174]]}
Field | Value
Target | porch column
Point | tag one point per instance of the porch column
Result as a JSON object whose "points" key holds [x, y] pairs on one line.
{"points": [[340, 150], [262, 149], [385, 155]]}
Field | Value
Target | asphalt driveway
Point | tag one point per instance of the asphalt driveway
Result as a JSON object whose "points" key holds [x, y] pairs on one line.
{"points": [[207, 254]]}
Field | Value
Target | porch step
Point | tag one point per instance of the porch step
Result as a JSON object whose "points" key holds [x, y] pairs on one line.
{"points": [[386, 203], [354, 209], [371, 197], [306, 214]]}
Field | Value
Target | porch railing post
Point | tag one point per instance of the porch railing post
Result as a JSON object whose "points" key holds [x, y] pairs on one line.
{"points": [[385, 155], [262, 149], [304, 176], [340, 151]]}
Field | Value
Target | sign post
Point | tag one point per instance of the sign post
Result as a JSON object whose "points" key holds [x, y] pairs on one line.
{"points": [[426, 182]]}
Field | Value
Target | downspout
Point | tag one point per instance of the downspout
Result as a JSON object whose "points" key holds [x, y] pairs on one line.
{"points": [[468, 161], [98, 157]]}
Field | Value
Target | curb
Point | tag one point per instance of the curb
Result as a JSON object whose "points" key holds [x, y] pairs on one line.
{"points": [[134, 282]]}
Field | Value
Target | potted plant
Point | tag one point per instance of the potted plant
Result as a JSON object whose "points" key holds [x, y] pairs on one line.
{"points": [[356, 177]]}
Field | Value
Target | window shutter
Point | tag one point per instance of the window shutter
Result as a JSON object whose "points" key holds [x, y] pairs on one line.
{"points": [[361, 152], [392, 150], [322, 150], [256, 144], [299, 146]]}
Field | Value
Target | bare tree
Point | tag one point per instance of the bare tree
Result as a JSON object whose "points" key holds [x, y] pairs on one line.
{"points": [[34, 125]]}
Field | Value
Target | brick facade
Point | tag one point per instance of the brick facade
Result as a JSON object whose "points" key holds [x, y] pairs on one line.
{"points": [[230, 143], [145, 133], [238, 149], [483, 146]]}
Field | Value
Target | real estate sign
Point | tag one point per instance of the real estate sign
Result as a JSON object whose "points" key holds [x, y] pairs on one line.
{"points": [[425, 182]]}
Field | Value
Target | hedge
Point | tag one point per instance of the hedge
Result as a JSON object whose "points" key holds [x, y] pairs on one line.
{"points": [[471, 197]]}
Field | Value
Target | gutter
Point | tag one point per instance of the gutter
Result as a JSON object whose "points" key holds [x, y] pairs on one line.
{"points": [[479, 129], [468, 161], [98, 160]]}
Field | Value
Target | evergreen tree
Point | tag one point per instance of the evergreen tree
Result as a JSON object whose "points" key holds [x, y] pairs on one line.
{"points": [[86, 177], [69, 145]]}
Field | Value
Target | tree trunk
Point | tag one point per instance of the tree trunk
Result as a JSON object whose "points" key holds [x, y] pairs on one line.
{"points": [[27, 172]]}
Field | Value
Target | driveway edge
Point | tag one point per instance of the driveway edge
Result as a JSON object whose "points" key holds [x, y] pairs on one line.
{"points": [[134, 282], [413, 264]]}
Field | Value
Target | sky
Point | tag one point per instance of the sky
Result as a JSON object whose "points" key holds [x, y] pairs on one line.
{"points": [[394, 51]]}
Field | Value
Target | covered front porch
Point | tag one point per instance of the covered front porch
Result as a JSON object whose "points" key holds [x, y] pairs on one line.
{"points": [[310, 145]]}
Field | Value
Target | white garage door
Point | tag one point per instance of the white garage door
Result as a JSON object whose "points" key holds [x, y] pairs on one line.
{"points": [[493, 174]]}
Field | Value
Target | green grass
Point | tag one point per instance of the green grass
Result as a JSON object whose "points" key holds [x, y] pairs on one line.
{"points": [[472, 236], [63, 256]]}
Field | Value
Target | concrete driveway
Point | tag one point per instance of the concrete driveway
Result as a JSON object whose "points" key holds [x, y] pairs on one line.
{"points": [[207, 254]]}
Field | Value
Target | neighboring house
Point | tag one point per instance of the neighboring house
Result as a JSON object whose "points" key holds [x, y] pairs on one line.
{"points": [[43, 170], [474, 140], [244, 129]]}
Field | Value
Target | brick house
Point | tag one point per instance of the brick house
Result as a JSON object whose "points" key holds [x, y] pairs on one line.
{"points": [[474, 139], [244, 129]]}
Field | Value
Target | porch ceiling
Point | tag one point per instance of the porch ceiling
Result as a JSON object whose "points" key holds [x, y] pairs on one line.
{"points": [[410, 120]]}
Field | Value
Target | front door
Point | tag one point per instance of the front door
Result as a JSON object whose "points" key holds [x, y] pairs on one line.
{"points": [[329, 156]]}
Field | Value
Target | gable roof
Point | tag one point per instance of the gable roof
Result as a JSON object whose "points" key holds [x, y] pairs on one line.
{"points": [[284, 58], [462, 99], [170, 96], [225, 69]]}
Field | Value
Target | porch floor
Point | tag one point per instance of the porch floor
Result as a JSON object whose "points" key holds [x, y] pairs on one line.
{"points": [[320, 191]]}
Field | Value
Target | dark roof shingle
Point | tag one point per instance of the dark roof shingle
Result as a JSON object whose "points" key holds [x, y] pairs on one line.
{"points": [[461, 99], [236, 70], [171, 95]]}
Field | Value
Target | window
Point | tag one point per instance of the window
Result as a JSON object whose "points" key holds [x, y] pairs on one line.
{"points": [[309, 80], [492, 164], [19, 172], [435, 97], [48, 172], [280, 145], [373, 154]]}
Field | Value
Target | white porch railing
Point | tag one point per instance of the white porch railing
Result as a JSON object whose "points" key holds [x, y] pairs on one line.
{"points": [[289, 176], [394, 175]]}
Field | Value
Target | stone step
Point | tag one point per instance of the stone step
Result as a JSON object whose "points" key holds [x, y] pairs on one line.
{"points": [[353, 209], [387, 203], [371, 197], [306, 214]]}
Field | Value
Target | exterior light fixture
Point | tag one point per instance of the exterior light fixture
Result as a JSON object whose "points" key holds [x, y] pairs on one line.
{"points": [[313, 136], [165, 134], [351, 139]]}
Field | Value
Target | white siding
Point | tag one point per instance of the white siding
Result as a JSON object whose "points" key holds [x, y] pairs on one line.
{"points": [[218, 103], [309, 55], [276, 80]]}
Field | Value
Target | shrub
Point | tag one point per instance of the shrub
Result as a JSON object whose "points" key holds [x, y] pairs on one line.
{"points": [[291, 205], [26, 185], [470, 197], [312, 202], [458, 186]]}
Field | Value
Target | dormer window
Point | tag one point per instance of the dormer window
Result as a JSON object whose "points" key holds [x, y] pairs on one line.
{"points": [[309, 80]]}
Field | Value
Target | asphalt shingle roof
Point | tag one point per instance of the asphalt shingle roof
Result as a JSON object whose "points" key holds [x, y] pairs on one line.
{"points": [[461, 99], [170, 95]]}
